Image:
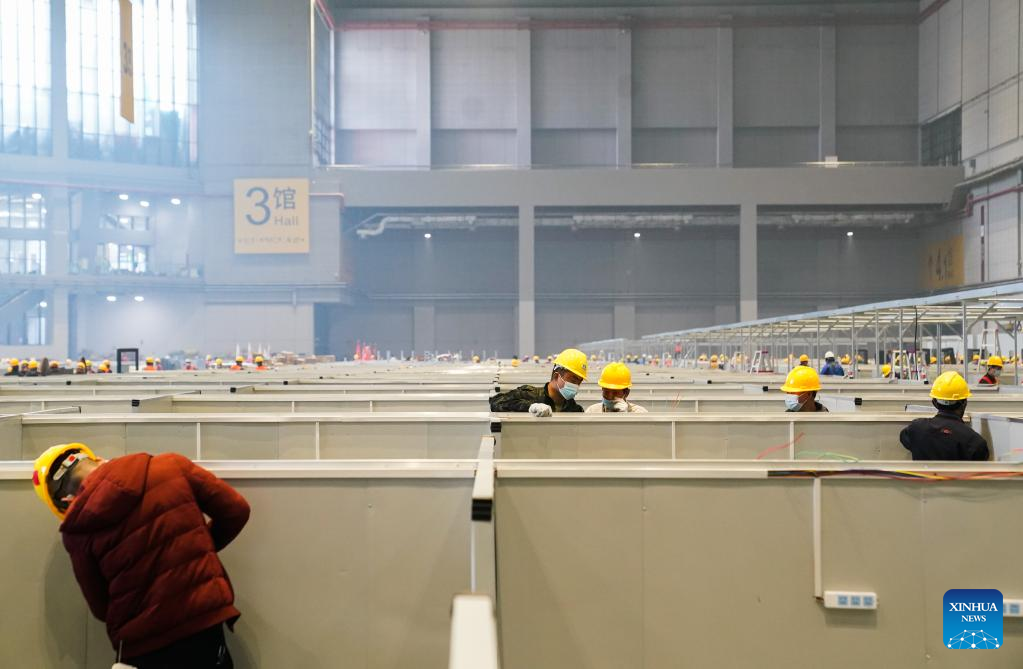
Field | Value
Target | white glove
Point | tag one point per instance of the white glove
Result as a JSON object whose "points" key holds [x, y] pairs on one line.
{"points": [[621, 406], [540, 410]]}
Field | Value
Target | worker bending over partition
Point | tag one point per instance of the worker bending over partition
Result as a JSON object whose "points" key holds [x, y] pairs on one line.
{"points": [[801, 386], [557, 395], [945, 436], [616, 381], [143, 552]]}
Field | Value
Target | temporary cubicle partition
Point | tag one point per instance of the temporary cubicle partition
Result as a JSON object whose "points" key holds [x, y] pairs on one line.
{"points": [[782, 436], [610, 565], [341, 564], [252, 437]]}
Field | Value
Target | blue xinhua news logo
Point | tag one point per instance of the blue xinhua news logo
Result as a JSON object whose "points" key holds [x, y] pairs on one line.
{"points": [[973, 619]]}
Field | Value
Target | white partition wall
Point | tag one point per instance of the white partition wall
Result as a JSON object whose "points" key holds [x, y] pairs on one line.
{"points": [[339, 566], [613, 566]]}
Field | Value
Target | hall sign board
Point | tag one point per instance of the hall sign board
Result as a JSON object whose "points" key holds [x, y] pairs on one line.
{"points": [[943, 264], [271, 216]]}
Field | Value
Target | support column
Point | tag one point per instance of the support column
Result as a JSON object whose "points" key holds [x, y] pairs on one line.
{"points": [[527, 283], [423, 116], [624, 107], [725, 55], [58, 80], [523, 96], [827, 141], [424, 328], [748, 262], [60, 342], [625, 320]]}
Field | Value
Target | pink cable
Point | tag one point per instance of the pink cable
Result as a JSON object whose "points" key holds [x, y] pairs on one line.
{"points": [[779, 447]]}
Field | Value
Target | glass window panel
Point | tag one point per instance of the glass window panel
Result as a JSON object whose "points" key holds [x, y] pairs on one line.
{"points": [[5, 257], [25, 76], [165, 71]]}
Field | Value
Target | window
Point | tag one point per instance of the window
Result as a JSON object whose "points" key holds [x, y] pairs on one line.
{"points": [[941, 140], [129, 258], [22, 256], [323, 52], [115, 222], [166, 91], [18, 209], [25, 77]]}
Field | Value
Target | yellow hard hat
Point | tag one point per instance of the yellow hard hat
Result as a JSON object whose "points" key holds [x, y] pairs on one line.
{"points": [[33, 364], [703, 357], [934, 360], [15, 362], [259, 359], [219, 361], [536, 358], [950, 387], [88, 363], [801, 380], [976, 357], [804, 358], [515, 362], [80, 365], [615, 376], [886, 370], [149, 360], [239, 359], [574, 361], [54, 364], [714, 358], [993, 361], [41, 471], [845, 359]]}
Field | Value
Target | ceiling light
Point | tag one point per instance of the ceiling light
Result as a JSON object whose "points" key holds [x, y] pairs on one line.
{"points": [[849, 234], [122, 196], [111, 298], [139, 298], [37, 196], [175, 201], [427, 236], [636, 235], [143, 203], [42, 305]]}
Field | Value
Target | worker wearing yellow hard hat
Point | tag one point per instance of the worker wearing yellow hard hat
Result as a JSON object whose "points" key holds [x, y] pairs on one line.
{"points": [[57, 472], [13, 367], [945, 436], [801, 387], [515, 361], [556, 396], [615, 383], [260, 363], [80, 368], [804, 360], [33, 367], [886, 371], [150, 364], [994, 370], [536, 359]]}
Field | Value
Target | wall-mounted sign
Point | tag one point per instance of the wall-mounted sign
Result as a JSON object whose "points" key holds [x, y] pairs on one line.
{"points": [[943, 264], [127, 65], [271, 216]]}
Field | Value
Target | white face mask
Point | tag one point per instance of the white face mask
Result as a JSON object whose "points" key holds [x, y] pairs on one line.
{"points": [[792, 403], [994, 372]]}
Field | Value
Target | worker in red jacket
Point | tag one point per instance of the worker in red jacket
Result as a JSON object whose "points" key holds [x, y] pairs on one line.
{"points": [[144, 554]]}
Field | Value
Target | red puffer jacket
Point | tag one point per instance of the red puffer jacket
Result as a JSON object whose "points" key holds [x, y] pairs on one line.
{"points": [[143, 553]]}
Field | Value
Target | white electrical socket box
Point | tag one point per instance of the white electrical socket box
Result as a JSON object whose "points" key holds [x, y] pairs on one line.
{"points": [[840, 599], [1012, 608]]}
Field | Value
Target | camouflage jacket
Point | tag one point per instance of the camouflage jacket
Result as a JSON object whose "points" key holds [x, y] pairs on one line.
{"points": [[521, 398]]}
